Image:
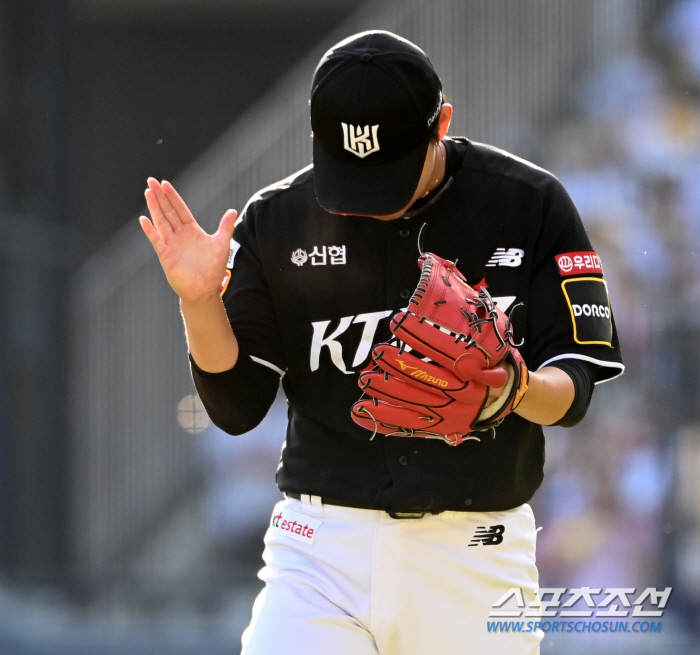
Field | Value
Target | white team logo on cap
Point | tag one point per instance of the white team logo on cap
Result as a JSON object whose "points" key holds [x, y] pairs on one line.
{"points": [[358, 140]]}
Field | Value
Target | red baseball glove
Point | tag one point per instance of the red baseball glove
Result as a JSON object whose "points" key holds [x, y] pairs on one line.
{"points": [[456, 326], [413, 398], [470, 343]]}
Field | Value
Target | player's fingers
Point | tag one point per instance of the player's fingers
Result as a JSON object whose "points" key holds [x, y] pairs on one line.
{"points": [[169, 213], [152, 234], [227, 224], [160, 222], [177, 203]]}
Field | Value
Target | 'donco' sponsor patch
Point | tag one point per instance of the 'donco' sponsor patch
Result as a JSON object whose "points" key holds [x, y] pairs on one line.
{"points": [[588, 301]]}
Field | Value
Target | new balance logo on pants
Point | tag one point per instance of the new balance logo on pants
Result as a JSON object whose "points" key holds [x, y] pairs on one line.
{"points": [[491, 536]]}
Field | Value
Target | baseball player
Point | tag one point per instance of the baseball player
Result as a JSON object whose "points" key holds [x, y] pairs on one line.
{"points": [[416, 393]]}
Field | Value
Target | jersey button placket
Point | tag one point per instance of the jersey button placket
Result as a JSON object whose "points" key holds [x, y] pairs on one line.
{"points": [[405, 294], [403, 460], [404, 232]]}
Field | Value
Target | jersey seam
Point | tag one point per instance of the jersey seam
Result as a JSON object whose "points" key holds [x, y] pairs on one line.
{"points": [[503, 174], [270, 365], [592, 360], [272, 190]]}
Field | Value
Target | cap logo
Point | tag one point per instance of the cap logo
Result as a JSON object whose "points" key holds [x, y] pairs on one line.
{"points": [[358, 140], [437, 109]]}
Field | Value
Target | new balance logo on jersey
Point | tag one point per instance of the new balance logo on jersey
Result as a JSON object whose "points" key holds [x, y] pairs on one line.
{"points": [[503, 257], [359, 141], [491, 536]]}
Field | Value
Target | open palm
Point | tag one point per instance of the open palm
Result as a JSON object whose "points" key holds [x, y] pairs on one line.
{"points": [[194, 261]]}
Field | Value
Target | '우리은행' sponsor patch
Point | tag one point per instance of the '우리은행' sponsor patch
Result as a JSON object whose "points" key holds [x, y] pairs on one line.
{"points": [[581, 262], [588, 301]]}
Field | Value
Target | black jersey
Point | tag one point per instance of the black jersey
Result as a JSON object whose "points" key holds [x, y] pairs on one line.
{"points": [[310, 293]]}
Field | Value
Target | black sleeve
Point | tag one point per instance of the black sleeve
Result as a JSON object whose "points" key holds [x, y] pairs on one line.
{"points": [[236, 400], [569, 310], [583, 376]]}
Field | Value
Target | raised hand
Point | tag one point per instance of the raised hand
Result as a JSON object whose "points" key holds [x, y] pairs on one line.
{"points": [[194, 261]]}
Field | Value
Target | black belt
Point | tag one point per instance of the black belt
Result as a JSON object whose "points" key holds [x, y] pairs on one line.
{"points": [[346, 503]]}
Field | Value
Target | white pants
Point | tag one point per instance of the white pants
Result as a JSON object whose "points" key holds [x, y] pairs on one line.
{"points": [[344, 581]]}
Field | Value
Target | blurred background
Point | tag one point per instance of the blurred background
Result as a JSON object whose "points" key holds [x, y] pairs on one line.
{"points": [[129, 524]]}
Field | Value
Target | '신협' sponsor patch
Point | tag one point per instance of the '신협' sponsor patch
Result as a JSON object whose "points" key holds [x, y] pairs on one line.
{"points": [[296, 526], [582, 262], [588, 301]]}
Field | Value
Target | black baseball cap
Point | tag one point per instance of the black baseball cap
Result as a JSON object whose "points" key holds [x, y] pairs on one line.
{"points": [[375, 101]]}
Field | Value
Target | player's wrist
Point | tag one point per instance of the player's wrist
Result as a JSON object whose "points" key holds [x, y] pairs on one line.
{"points": [[200, 302], [550, 394]]}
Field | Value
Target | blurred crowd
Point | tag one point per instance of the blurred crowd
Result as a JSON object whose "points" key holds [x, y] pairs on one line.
{"points": [[620, 505]]}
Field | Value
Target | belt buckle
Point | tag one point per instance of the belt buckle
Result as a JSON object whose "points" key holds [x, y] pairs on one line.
{"points": [[407, 515]]}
